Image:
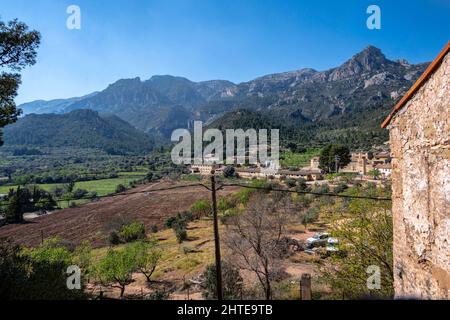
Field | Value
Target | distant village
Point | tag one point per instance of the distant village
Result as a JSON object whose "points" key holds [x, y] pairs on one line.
{"points": [[363, 164]]}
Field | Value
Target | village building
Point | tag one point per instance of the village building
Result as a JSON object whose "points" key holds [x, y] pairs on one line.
{"points": [[419, 128]]}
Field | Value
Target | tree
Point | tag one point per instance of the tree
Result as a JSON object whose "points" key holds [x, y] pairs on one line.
{"points": [[333, 157], [375, 173], [18, 48], [147, 257], [28, 199], [365, 234], [116, 268], [255, 237], [309, 216]]}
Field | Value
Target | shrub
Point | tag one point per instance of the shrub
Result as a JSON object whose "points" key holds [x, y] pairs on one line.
{"points": [[159, 295], [170, 221], [341, 187], [79, 193], [120, 188], [154, 228], [132, 232], [290, 183], [201, 208], [113, 238], [229, 172], [301, 183], [231, 282], [180, 233]]}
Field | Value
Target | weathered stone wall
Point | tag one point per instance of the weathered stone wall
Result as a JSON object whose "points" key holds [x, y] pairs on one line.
{"points": [[420, 146]]}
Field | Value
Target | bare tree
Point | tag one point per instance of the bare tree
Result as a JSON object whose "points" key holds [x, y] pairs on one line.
{"points": [[255, 237]]}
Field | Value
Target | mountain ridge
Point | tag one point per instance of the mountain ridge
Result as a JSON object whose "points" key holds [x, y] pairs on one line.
{"points": [[79, 128], [367, 82]]}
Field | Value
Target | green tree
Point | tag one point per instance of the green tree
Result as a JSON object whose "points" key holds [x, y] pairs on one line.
{"points": [[116, 268], [147, 257], [333, 157], [18, 48], [375, 173], [365, 235], [48, 266]]}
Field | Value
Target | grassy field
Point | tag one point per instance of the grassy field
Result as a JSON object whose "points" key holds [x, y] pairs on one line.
{"points": [[102, 186], [291, 159]]}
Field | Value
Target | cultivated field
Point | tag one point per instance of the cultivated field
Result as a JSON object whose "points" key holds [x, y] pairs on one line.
{"points": [[86, 222]]}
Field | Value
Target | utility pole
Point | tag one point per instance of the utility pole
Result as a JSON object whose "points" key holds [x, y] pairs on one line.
{"points": [[216, 238]]}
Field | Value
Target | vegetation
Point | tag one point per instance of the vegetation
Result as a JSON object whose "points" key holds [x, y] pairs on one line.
{"points": [[364, 228], [80, 128], [255, 237], [25, 200], [36, 273], [116, 268], [333, 157], [18, 48], [201, 208], [298, 159], [147, 257], [232, 282]]}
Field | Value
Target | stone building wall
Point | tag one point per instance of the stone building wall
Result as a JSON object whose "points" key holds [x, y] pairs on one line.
{"points": [[420, 146]]}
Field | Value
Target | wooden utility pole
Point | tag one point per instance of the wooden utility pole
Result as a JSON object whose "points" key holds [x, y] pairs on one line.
{"points": [[216, 238]]}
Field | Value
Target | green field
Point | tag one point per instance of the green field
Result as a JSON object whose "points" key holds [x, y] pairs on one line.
{"points": [[102, 187], [291, 159]]}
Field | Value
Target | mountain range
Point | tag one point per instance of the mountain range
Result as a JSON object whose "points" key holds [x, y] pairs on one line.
{"points": [[346, 103]]}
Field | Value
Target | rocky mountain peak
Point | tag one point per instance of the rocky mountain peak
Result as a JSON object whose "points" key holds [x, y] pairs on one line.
{"points": [[369, 60]]}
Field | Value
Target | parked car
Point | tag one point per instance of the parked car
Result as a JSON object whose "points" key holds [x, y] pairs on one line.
{"points": [[318, 240]]}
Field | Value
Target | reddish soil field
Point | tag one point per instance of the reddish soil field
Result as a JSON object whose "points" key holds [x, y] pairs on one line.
{"points": [[87, 221]]}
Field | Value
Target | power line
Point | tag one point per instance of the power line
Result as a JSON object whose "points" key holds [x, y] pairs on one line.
{"points": [[307, 192], [220, 187]]}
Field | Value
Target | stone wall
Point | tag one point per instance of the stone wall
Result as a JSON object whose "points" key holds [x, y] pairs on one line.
{"points": [[420, 146]]}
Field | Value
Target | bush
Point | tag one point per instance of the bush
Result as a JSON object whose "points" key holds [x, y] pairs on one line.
{"points": [[154, 228], [180, 233], [201, 208], [229, 172], [113, 238], [290, 183], [341, 187], [231, 282], [301, 183], [132, 232], [79, 193], [120, 188], [159, 295], [170, 222]]}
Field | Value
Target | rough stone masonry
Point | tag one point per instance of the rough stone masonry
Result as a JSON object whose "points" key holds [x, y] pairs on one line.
{"points": [[420, 146]]}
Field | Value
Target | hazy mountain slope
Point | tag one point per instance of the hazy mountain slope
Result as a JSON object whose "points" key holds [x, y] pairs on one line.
{"points": [[79, 128]]}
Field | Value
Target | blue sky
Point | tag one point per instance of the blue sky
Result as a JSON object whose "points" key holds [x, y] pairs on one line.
{"points": [[236, 40]]}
